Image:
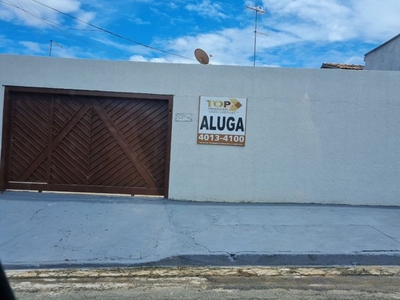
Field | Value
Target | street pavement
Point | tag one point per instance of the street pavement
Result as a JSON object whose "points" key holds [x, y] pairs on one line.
{"points": [[210, 287], [55, 230]]}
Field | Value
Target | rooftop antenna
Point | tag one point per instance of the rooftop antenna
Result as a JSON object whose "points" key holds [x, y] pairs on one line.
{"points": [[201, 56], [51, 46], [258, 10]]}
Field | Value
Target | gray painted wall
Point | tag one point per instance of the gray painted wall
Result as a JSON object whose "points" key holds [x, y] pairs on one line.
{"points": [[313, 135], [385, 58]]}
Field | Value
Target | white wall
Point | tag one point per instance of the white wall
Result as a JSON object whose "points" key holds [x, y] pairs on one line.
{"points": [[313, 135], [386, 57]]}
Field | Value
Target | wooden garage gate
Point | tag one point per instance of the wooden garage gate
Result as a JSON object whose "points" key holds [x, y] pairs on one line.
{"points": [[76, 141]]}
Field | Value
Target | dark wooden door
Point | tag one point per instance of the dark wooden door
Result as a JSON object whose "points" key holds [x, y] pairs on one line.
{"points": [[87, 142]]}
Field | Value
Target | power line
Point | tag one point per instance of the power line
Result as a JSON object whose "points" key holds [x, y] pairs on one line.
{"points": [[89, 24], [53, 24], [111, 33]]}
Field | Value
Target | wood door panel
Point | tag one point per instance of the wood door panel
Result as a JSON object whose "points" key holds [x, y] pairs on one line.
{"points": [[87, 143]]}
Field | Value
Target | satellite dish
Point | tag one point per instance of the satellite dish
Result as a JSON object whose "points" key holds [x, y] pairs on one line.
{"points": [[201, 56]]}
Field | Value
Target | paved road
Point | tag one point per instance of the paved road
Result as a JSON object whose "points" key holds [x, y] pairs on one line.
{"points": [[226, 287], [248, 283]]}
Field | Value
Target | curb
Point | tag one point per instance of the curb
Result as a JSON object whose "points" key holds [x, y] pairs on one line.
{"points": [[227, 260]]}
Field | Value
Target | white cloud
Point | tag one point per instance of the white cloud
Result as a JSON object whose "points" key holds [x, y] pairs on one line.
{"points": [[6, 13], [302, 32], [123, 47], [376, 20], [228, 46], [355, 60], [137, 58], [86, 17], [160, 60], [5, 42], [310, 20], [58, 50], [335, 20], [63, 5], [141, 58], [32, 47], [34, 14], [172, 5], [207, 9], [297, 29], [140, 21]]}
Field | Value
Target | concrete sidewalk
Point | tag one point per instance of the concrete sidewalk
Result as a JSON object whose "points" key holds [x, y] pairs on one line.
{"points": [[51, 230]]}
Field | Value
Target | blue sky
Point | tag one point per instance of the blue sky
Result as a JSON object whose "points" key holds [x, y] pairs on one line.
{"points": [[301, 33]]}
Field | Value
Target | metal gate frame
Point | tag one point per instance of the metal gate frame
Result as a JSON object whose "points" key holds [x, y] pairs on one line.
{"points": [[6, 134]]}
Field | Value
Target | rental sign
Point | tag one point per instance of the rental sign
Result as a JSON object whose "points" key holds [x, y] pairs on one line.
{"points": [[222, 121]]}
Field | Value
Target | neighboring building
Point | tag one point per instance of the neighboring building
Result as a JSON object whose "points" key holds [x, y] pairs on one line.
{"points": [[385, 57], [341, 66]]}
